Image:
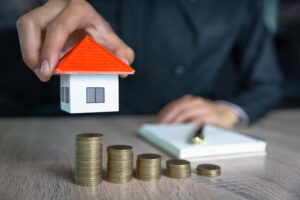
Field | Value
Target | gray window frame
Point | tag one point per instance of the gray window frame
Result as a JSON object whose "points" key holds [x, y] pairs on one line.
{"points": [[62, 94], [67, 94], [95, 95]]}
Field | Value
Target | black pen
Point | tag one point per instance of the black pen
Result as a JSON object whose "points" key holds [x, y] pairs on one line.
{"points": [[198, 138]]}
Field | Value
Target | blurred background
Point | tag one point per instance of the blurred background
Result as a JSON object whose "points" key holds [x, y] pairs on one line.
{"points": [[282, 18]]}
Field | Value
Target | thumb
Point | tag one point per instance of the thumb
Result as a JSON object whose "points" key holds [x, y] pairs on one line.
{"points": [[116, 46], [123, 57]]}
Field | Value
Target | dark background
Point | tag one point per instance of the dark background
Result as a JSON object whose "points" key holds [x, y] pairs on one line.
{"points": [[20, 89]]}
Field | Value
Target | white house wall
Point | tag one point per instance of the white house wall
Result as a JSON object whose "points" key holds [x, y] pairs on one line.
{"points": [[78, 85], [64, 82]]}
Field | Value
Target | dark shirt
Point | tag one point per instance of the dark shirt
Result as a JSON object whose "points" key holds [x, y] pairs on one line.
{"points": [[215, 49]]}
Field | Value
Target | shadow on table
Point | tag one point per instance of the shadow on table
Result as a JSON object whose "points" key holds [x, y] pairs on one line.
{"points": [[63, 169]]}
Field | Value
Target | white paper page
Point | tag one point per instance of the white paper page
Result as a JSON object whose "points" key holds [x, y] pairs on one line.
{"points": [[218, 142]]}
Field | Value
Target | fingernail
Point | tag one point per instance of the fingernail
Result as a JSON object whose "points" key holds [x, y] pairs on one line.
{"points": [[61, 54], [45, 69], [125, 60], [38, 73]]}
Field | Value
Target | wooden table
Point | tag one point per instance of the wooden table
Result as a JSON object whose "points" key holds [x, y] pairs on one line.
{"points": [[37, 161]]}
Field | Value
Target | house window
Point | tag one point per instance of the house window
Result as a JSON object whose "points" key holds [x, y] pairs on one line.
{"points": [[95, 95], [67, 93], [62, 94]]}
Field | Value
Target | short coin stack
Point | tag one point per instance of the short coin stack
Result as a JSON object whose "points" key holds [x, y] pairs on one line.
{"points": [[119, 163], [148, 167], [88, 158], [209, 170], [177, 168]]}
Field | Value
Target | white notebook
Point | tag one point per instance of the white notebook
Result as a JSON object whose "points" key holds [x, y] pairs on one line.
{"points": [[218, 142]]}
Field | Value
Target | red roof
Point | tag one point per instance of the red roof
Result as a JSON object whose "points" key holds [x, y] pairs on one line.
{"points": [[89, 57]]}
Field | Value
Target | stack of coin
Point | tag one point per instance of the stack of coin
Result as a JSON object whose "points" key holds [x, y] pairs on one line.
{"points": [[148, 167], [208, 170], [88, 158], [178, 168], [119, 163]]}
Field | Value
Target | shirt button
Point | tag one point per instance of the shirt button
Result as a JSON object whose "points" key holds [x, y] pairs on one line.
{"points": [[179, 70]]}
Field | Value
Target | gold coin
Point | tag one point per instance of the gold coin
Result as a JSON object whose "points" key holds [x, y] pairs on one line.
{"points": [[177, 168], [148, 167], [208, 167], [149, 156], [178, 162], [119, 148], [209, 170], [89, 136], [119, 163], [88, 159]]}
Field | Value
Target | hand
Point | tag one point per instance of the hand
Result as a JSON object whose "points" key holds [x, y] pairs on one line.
{"points": [[199, 111], [48, 31]]}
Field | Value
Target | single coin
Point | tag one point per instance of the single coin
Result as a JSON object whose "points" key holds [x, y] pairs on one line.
{"points": [[150, 156], [89, 136], [119, 147]]}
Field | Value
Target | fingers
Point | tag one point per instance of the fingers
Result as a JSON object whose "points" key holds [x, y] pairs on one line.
{"points": [[121, 50], [173, 110], [126, 54], [30, 29], [163, 114], [86, 19], [199, 111], [104, 35], [44, 33], [123, 57], [191, 113], [101, 31], [57, 34], [199, 122], [123, 75], [53, 44], [30, 41]]}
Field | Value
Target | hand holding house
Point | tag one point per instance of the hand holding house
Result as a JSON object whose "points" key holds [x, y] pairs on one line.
{"points": [[90, 78]]}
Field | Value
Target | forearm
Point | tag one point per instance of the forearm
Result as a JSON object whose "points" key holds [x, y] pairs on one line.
{"points": [[258, 100], [243, 116]]}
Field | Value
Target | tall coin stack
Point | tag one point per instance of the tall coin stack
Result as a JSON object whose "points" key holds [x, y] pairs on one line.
{"points": [[178, 168], [148, 167], [119, 163], [88, 158]]}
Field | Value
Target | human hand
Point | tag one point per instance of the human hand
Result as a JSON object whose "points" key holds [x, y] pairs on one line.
{"points": [[199, 111], [48, 31]]}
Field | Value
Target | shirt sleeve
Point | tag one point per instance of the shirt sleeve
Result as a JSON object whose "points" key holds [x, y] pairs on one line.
{"points": [[258, 69], [244, 118]]}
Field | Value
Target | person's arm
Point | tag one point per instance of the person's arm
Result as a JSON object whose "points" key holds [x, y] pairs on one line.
{"points": [[48, 31], [199, 111], [243, 120], [259, 74], [259, 83]]}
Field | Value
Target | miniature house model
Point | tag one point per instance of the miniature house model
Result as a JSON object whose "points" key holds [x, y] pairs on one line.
{"points": [[90, 78]]}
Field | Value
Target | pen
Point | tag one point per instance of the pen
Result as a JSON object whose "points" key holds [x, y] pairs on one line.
{"points": [[198, 138]]}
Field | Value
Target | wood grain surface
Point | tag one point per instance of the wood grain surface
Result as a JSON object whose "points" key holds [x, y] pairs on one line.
{"points": [[37, 161]]}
